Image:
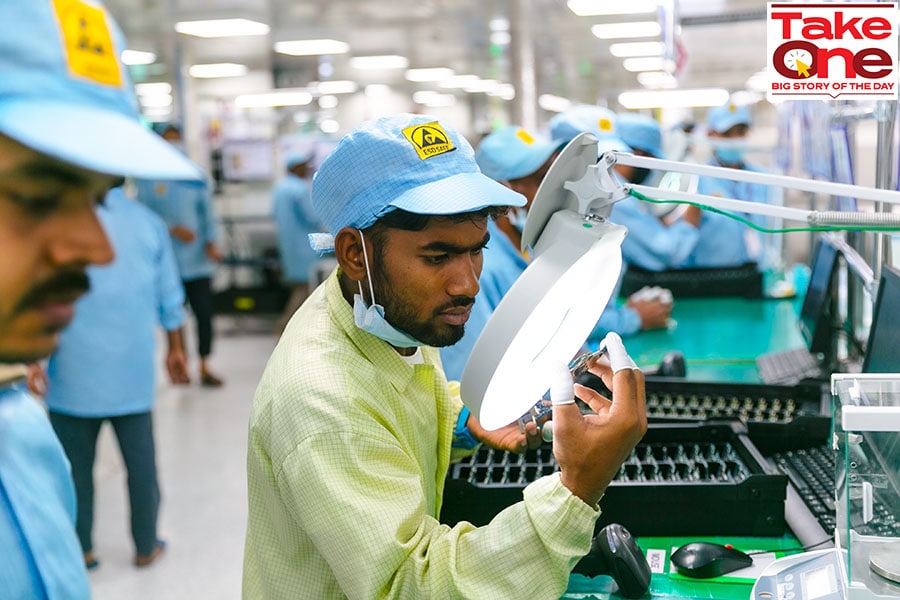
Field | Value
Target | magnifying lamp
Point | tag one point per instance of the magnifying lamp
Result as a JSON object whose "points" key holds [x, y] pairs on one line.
{"points": [[548, 313], [546, 316]]}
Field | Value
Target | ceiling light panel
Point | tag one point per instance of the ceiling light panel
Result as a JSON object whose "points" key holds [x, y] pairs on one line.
{"points": [[216, 28], [633, 29], [588, 8], [312, 47]]}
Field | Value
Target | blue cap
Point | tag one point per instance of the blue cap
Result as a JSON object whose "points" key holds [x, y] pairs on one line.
{"points": [[298, 157], [583, 118], [587, 118], [65, 92], [512, 153], [640, 132], [722, 118], [406, 161]]}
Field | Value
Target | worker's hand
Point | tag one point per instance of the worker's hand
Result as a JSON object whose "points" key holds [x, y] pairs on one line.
{"points": [[176, 365], [182, 234], [212, 252], [590, 448], [653, 306], [510, 437], [36, 380]]}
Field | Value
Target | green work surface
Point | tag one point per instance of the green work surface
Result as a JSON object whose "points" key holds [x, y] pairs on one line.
{"points": [[666, 584], [721, 337]]}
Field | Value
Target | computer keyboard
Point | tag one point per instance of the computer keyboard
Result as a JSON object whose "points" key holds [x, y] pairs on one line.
{"points": [[788, 367], [810, 504], [744, 281]]}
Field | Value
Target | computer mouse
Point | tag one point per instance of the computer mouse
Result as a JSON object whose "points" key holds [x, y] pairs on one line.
{"points": [[706, 559]]}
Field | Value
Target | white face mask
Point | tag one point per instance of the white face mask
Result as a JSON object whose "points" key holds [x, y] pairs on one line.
{"points": [[371, 318]]}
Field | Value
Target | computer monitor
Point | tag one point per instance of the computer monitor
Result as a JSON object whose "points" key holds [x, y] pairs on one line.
{"points": [[815, 315], [883, 347]]}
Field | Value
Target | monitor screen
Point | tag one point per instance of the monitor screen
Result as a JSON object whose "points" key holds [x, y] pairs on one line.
{"points": [[883, 348], [815, 316]]}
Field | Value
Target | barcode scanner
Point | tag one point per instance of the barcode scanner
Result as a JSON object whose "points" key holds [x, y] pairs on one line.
{"points": [[615, 553]]}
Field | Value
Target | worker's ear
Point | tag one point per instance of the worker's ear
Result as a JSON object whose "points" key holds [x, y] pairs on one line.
{"points": [[349, 253]]}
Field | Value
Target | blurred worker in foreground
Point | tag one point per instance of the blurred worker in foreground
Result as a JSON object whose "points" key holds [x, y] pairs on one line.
{"points": [[187, 209], [352, 424], [69, 131], [641, 311], [104, 367], [725, 242], [658, 238], [295, 219]]}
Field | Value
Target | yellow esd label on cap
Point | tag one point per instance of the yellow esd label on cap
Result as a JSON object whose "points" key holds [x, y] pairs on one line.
{"points": [[525, 136], [87, 42], [605, 125], [429, 139]]}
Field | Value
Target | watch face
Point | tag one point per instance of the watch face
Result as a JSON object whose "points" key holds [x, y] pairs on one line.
{"points": [[798, 60]]}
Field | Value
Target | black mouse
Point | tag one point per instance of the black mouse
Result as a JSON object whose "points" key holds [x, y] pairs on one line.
{"points": [[706, 559]]}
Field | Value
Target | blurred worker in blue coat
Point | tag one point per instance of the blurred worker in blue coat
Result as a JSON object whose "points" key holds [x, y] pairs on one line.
{"points": [[295, 219], [657, 239], [103, 369], [725, 242], [640, 312], [187, 210], [69, 131]]}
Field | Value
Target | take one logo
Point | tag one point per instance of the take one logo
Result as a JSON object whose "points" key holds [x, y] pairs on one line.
{"points": [[846, 50], [429, 139]]}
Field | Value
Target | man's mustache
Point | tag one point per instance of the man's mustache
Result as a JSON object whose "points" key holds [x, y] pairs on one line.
{"points": [[65, 286]]}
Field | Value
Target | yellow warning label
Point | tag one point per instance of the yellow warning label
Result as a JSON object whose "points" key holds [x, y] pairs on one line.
{"points": [[87, 42], [605, 125], [525, 136], [429, 139]]}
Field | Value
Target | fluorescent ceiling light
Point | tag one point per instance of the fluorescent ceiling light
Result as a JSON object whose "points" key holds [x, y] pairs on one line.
{"points": [[328, 101], [586, 8], [157, 101], [138, 57], [329, 126], [482, 86], [648, 63], [504, 91], [634, 29], [501, 38], [215, 28], [429, 74], [385, 61], [554, 103], [657, 80], [271, 99], [499, 24], [339, 86], [213, 70], [377, 90], [312, 47], [673, 98], [433, 99], [458, 81], [758, 82], [629, 49], [153, 89]]}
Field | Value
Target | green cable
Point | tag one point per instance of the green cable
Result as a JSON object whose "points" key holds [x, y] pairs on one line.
{"points": [[753, 225]]}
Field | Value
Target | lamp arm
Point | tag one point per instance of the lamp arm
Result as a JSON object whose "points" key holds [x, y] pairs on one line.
{"points": [[837, 219], [785, 181]]}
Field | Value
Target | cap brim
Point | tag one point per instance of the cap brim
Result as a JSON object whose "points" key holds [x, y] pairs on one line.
{"points": [[461, 193], [96, 140], [726, 123]]}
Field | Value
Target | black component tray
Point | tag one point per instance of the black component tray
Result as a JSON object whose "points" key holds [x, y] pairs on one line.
{"points": [[744, 281], [682, 479], [778, 417]]}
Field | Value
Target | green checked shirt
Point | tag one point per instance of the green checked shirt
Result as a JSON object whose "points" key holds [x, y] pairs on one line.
{"points": [[349, 446]]}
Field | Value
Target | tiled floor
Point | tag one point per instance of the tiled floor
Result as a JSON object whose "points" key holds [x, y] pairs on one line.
{"points": [[201, 445]]}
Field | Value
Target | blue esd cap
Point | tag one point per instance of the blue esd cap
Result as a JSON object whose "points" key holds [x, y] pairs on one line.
{"points": [[512, 153], [65, 93], [722, 118], [641, 132], [412, 162]]}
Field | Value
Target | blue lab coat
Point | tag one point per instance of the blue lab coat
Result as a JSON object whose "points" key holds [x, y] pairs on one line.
{"points": [[295, 219]]}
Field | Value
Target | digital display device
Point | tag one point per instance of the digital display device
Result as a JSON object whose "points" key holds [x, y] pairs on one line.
{"points": [[815, 316], [883, 347]]}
